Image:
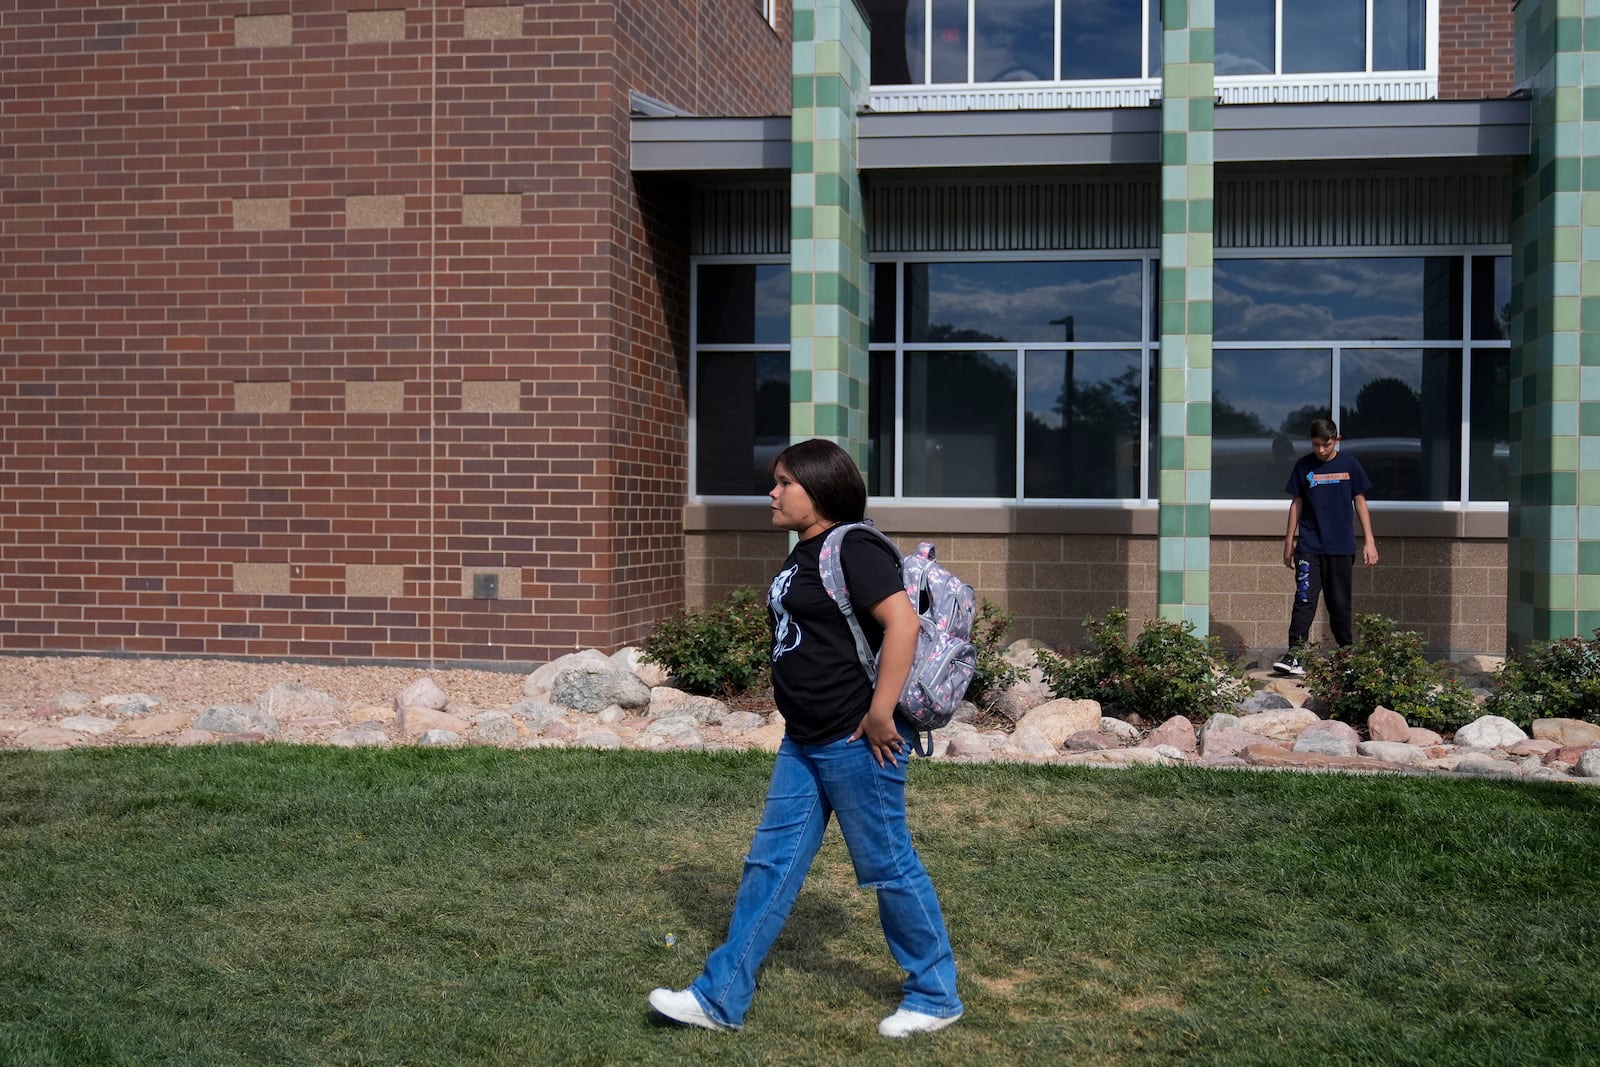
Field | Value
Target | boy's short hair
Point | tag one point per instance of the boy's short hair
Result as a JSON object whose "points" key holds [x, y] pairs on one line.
{"points": [[1324, 429], [829, 476]]}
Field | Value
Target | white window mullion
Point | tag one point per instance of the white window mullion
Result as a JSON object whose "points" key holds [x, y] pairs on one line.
{"points": [[1466, 377], [972, 43], [1057, 42], [898, 431], [1369, 35], [1022, 418], [1277, 37]]}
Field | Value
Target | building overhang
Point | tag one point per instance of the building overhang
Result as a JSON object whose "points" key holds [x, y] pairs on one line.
{"points": [[967, 140]]}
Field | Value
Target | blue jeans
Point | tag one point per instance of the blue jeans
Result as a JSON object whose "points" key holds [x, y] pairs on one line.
{"points": [[809, 784]]}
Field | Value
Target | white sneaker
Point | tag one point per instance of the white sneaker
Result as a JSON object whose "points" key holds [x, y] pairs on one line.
{"points": [[682, 1006], [904, 1023], [1290, 664]]}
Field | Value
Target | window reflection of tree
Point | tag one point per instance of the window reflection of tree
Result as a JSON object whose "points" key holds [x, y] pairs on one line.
{"points": [[1093, 451], [960, 419]]}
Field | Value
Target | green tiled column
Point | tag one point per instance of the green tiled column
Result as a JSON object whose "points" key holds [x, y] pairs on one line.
{"points": [[828, 233], [1553, 555], [1188, 104]]}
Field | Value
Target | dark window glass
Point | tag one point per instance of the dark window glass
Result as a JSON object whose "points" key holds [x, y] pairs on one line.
{"points": [[1155, 38], [1338, 299], [1081, 438], [1400, 415], [978, 302], [1325, 35], [1100, 40], [1491, 298], [1399, 34], [960, 424], [896, 53], [1489, 466], [1014, 40], [880, 324], [1245, 33], [743, 303], [735, 443], [947, 40], [1262, 405], [880, 423]]}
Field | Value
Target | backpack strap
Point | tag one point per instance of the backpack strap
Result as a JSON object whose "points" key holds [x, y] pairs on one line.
{"points": [[830, 564]]}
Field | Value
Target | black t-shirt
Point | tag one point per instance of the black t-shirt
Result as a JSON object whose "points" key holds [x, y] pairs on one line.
{"points": [[817, 679]]}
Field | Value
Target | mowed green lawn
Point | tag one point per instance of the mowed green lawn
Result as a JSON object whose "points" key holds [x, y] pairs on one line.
{"points": [[291, 905]]}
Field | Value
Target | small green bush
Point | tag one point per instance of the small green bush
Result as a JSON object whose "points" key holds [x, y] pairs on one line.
{"points": [[994, 674], [1550, 680], [1387, 666], [722, 650], [1166, 671]]}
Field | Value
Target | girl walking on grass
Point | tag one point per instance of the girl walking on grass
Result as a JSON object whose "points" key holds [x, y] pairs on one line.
{"points": [[843, 754]]}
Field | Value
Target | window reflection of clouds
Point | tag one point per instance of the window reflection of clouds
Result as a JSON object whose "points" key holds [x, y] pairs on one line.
{"points": [[1271, 384], [1022, 301], [1014, 40], [1324, 36], [1244, 36], [1333, 299], [1100, 40]]}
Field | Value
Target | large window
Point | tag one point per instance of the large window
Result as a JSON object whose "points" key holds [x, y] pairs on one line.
{"points": [[1094, 51], [1032, 380], [1408, 354]]}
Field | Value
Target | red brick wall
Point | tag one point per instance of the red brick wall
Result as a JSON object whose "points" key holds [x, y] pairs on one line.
{"points": [[134, 484], [1477, 49]]}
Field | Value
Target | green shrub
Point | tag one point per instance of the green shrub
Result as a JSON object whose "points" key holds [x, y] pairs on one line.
{"points": [[1550, 680], [722, 650], [994, 674], [1386, 666], [1166, 671]]}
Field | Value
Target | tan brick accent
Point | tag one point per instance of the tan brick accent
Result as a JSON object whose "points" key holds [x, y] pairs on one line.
{"points": [[491, 396], [375, 27], [263, 214], [374, 580], [263, 31], [261, 397], [261, 579], [491, 209], [375, 397], [485, 23], [374, 212], [510, 581]]}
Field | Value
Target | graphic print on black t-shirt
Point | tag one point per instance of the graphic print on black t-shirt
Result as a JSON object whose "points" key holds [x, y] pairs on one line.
{"points": [[786, 635]]}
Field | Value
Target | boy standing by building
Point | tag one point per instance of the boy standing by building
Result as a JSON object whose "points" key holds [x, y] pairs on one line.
{"points": [[1320, 544]]}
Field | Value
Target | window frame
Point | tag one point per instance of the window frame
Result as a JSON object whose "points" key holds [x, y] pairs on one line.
{"points": [[1366, 84]]}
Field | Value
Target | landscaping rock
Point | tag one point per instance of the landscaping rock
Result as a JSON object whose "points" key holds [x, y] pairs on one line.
{"points": [[88, 724], [1588, 765], [439, 739], [1217, 741], [1027, 741], [632, 660], [129, 703], [1278, 725], [535, 714], [1265, 700], [1117, 728], [1090, 741], [416, 721], [593, 689], [1490, 731], [537, 686], [1328, 737], [496, 728], [1265, 755], [1391, 752], [1058, 720], [1423, 738], [1178, 732], [1567, 732], [236, 719], [1385, 724], [422, 693], [665, 701], [293, 700]]}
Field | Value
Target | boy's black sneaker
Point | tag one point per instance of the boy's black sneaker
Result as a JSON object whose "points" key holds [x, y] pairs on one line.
{"points": [[1289, 663]]}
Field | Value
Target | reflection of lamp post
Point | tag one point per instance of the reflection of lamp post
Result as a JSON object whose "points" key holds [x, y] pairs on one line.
{"points": [[1069, 329]]}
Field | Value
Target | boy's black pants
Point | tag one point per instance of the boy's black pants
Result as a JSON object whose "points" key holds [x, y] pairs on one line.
{"points": [[1329, 577]]}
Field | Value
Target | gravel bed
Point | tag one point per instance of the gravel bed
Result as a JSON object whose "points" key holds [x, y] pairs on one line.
{"points": [[192, 685]]}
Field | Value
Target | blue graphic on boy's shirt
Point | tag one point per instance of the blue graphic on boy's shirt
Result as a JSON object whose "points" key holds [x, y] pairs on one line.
{"points": [[786, 634]]}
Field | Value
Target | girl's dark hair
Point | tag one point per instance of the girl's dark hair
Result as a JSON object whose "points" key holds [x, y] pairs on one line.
{"points": [[829, 476]]}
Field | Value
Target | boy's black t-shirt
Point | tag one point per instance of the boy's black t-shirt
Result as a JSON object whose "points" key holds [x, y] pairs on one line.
{"points": [[1327, 492], [817, 680]]}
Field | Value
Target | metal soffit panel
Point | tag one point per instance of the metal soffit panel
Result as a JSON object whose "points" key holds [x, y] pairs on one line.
{"points": [[1263, 210], [1449, 129]]}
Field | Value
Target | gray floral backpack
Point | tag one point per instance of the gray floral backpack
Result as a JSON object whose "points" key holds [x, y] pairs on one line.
{"points": [[945, 659]]}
